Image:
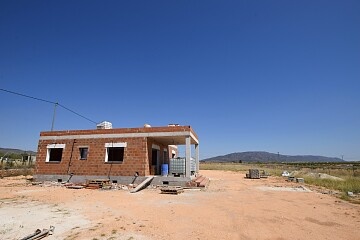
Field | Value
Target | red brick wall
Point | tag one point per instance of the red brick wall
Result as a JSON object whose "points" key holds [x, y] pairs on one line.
{"points": [[137, 154], [135, 158]]}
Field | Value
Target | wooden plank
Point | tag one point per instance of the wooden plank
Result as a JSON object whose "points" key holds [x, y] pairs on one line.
{"points": [[204, 182], [75, 187], [172, 189], [142, 185]]}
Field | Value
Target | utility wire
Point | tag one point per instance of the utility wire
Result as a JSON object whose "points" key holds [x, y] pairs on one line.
{"points": [[47, 101], [23, 95], [76, 113]]}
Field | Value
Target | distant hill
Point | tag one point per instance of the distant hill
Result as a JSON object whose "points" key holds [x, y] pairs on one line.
{"points": [[269, 157], [16, 151]]}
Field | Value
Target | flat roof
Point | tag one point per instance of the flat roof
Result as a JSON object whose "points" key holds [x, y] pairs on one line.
{"points": [[168, 135]]}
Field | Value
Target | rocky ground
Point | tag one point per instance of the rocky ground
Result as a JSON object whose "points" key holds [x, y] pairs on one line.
{"points": [[232, 207]]}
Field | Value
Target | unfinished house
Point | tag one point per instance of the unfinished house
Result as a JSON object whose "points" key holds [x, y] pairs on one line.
{"points": [[121, 155]]}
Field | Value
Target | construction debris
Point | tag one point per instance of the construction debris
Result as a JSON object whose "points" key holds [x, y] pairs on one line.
{"points": [[75, 187], [142, 185], [257, 174], [264, 174], [199, 182], [171, 189], [294, 179], [38, 234], [97, 183], [254, 174], [300, 180], [202, 181]]}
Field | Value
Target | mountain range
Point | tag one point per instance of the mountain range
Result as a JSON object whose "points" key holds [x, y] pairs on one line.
{"points": [[16, 151], [253, 156], [258, 156]]}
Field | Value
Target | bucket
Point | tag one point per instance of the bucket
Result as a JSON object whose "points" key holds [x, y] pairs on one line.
{"points": [[164, 169]]}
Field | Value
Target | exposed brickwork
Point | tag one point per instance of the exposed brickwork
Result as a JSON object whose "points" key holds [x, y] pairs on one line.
{"points": [[137, 154]]}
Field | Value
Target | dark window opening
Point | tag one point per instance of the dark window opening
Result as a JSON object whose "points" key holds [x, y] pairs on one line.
{"points": [[55, 154], [154, 157], [83, 153], [115, 154]]}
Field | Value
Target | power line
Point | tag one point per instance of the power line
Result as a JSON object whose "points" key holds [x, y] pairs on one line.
{"points": [[23, 95], [76, 113], [48, 101]]}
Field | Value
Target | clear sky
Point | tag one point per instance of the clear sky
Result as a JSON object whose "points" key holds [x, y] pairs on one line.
{"points": [[277, 76]]}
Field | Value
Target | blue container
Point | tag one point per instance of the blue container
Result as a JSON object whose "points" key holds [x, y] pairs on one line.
{"points": [[164, 169]]}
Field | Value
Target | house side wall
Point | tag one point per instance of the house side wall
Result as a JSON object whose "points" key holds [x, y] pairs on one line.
{"points": [[135, 158]]}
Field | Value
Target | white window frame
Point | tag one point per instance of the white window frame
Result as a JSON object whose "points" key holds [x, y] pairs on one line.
{"points": [[51, 146], [110, 145]]}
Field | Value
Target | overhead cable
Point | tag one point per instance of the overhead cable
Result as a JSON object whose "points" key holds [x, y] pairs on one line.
{"points": [[47, 101]]}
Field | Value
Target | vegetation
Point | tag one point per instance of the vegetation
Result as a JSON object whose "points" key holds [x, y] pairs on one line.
{"points": [[242, 167], [11, 155], [349, 184], [14, 161], [349, 172]]}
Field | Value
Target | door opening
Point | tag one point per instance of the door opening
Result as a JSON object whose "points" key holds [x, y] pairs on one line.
{"points": [[155, 162]]}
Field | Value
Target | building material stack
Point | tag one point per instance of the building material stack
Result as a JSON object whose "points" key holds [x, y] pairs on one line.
{"points": [[202, 181], [171, 189], [97, 183], [254, 173]]}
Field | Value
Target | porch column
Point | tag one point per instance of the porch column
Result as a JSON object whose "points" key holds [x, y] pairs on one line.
{"points": [[197, 156], [188, 156]]}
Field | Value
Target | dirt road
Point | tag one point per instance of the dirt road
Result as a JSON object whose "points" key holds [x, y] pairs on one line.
{"points": [[230, 208]]}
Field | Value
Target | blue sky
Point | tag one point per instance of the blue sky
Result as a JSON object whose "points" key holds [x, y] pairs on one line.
{"points": [[277, 76]]}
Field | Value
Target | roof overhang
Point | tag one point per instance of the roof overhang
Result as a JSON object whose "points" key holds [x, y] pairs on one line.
{"points": [[176, 139], [167, 138]]}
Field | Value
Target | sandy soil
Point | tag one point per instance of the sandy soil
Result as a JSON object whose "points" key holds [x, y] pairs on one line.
{"points": [[232, 207]]}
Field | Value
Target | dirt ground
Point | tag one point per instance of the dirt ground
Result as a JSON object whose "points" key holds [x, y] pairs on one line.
{"points": [[232, 207]]}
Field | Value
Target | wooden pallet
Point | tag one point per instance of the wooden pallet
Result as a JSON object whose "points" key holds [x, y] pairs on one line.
{"points": [[75, 187], [97, 183], [171, 189]]}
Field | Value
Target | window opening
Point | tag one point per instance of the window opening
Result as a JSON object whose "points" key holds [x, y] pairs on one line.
{"points": [[115, 154], [55, 154], [83, 153]]}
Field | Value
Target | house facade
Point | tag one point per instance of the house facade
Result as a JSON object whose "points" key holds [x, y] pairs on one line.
{"points": [[118, 154]]}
